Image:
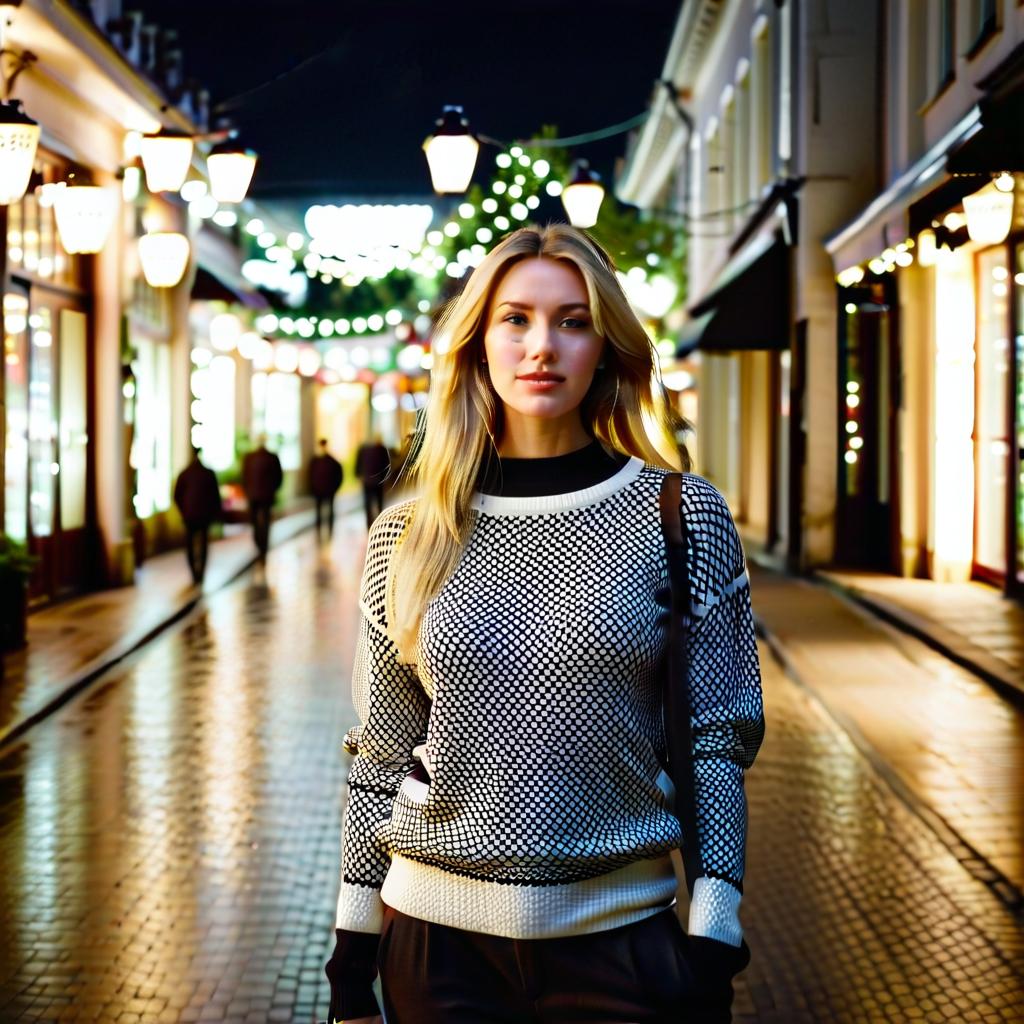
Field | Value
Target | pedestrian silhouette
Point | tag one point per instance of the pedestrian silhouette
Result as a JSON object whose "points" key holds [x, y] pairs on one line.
{"points": [[373, 463], [197, 495], [325, 477], [261, 477]]}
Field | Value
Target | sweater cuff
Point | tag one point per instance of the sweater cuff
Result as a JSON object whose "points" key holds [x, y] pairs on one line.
{"points": [[715, 911], [360, 908]]}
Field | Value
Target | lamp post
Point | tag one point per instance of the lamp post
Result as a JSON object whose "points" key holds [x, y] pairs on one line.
{"points": [[583, 196], [451, 152]]}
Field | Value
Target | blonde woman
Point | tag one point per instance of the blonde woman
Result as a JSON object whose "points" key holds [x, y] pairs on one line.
{"points": [[507, 836]]}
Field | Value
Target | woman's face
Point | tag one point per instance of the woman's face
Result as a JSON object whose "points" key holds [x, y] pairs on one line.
{"points": [[540, 342]]}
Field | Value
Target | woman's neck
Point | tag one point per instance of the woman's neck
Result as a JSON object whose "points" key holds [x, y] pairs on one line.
{"points": [[536, 438]]}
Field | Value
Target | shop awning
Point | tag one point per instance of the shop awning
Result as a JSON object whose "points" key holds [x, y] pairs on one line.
{"points": [[748, 305], [211, 287]]}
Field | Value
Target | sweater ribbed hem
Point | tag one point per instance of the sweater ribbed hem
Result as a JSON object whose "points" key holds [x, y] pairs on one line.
{"points": [[530, 912], [545, 504]]}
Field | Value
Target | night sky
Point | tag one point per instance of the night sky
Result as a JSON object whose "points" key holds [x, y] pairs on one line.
{"points": [[337, 96]]}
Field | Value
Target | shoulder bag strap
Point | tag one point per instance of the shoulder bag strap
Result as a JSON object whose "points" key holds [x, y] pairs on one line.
{"points": [[676, 690]]}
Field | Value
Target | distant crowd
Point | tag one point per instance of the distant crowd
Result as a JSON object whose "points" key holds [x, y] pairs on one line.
{"points": [[198, 499]]}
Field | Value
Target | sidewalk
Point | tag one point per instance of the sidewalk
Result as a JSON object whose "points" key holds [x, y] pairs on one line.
{"points": [[949, 744], [971, 623], [73, 642]]}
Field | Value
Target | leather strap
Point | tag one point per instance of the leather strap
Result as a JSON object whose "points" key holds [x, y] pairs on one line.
{"points": [[675, 686]]}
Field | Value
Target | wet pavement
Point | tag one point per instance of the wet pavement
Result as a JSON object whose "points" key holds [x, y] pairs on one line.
{"points": [[169, 840]]}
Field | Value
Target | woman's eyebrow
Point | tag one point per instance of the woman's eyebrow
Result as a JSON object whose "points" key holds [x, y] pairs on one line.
{"points": [[561, 309]]}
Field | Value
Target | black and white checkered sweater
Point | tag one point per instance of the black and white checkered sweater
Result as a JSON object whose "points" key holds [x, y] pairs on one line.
{"points": [[536, 715]]}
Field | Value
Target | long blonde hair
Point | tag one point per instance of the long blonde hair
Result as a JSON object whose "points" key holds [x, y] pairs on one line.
{"points": [[624, 409]]}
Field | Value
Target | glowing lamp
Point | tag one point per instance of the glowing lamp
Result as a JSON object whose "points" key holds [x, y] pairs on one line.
{"points": [[230, 168], [19, 137], [166, 157], [583, 196], [927, 248], [989, 215], [164, 257], [225, 331], [84, 215], [451, 152]]}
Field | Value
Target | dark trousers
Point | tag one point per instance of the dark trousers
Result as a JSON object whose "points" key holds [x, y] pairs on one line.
{"points": [[259, 516], [196, 544], [325, 515], [433, 974], [373, 501]]}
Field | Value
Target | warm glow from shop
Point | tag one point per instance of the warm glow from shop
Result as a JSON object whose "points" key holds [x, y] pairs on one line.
{"points": [[84, 215]]}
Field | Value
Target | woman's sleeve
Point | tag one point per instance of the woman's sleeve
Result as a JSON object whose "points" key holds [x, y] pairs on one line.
{"points": [[392, 709], [727, 713]]}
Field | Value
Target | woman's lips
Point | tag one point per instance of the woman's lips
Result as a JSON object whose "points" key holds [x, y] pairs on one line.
{"points": [[544, 383]]}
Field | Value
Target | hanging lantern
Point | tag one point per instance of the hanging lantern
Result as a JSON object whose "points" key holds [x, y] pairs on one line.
{"points": [[451, 152], [989, 215], [19, 137], [583, 196], [230, 168], [164, 256], [84, 215], [166, 156]]}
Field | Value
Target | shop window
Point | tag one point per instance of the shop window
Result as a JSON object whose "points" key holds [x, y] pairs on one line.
{"points": [[283, 418], [1018, 281], [213, 412], [151, 443], [42, 423], [992, 445], [74, 432], [33, 244], [16, 442]]}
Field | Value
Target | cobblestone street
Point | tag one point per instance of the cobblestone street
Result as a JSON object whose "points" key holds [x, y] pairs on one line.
{"points": [[169, 841]]}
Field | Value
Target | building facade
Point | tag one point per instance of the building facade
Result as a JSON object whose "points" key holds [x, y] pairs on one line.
{"points": [[930, 303], [757, 136]]}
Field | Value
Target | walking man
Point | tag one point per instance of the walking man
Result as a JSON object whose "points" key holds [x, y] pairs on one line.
{"points": [[325, 477], [197, 495], [261, 477], [373, 463]]}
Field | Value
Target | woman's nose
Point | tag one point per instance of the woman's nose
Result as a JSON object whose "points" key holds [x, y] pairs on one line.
{"points": [[540, 340]]}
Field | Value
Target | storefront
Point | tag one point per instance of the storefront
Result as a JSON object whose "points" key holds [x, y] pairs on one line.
{"points": [[48, 486]]}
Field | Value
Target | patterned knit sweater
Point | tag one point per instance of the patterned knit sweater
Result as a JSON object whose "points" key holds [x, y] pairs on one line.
{"points": [[513, 784]]}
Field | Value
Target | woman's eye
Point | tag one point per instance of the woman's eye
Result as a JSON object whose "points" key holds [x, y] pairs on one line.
{"points": [[515, 318], [575, 322]]}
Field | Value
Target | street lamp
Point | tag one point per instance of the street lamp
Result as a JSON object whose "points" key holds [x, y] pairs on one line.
{"points": [[166, 156], [583, 196], [164, 257], [230, 168], [451, 152], [84, 215], [19, 137]]}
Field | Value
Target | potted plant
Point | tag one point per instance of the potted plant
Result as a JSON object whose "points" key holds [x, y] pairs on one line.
{"points": [[16, 566]]}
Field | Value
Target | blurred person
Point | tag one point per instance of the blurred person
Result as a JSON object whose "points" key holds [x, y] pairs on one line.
{"points": [[197, 496], [261, 478], [507, 838], [373, 463], [325, 479]]}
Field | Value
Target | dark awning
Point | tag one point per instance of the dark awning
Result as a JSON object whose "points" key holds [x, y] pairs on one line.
{"points": [[210, 287], [748, 305]]}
